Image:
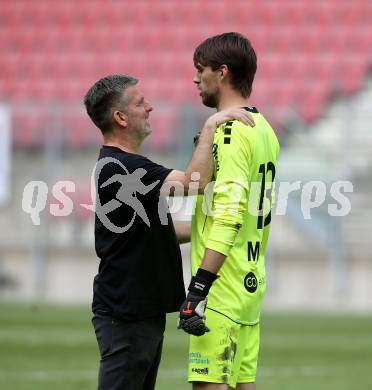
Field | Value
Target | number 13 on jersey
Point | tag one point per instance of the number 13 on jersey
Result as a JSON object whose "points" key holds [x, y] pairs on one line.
{"points": [[267, 172]]}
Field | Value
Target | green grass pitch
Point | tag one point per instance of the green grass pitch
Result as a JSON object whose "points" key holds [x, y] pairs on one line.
{"points": [[54, 348]]}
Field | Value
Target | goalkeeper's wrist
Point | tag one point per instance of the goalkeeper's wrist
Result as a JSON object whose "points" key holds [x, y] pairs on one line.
{"points": [[202, 282]]}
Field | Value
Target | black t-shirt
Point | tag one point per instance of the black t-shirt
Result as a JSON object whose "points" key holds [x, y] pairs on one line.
{"points": [[140, 270]]}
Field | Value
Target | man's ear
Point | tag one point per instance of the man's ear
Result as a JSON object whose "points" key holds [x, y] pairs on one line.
{"points": [[120, 118], [224, 70]]}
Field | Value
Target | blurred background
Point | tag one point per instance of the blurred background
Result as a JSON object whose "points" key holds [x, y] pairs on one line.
{"points": [[313, 84]]}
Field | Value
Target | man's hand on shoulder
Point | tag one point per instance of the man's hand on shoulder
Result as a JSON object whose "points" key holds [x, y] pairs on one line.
{"points": [[223, 116]]}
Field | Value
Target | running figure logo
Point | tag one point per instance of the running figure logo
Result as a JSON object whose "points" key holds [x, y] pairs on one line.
{"points": [[131, 184]]}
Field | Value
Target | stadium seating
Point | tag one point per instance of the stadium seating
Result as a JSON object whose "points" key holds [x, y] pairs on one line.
{"points": [[53, 51]]}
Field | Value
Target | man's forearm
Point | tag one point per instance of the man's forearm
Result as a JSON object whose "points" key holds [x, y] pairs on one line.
{"points": [[202, 160], [212, 261], [183, 231], [200, 163]]}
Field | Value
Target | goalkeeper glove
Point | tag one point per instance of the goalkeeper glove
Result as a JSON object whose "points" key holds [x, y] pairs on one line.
{"points": [[192, 317]]}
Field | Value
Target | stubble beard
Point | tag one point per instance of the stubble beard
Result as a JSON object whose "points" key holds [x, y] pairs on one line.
{"points": [[209, 100]]}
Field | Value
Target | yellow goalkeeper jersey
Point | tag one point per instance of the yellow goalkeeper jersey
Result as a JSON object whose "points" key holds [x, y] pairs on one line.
{"points": [[233, 216]]}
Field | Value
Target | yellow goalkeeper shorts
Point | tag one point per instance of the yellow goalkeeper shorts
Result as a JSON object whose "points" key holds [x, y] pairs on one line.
{"points": [[226, 354]]}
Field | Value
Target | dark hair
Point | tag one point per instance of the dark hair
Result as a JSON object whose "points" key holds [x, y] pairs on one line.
{"points": [[233, 50], [103, 96]]}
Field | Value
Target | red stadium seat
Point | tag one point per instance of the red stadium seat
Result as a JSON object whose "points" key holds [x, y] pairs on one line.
{"points": [[54, 51], [351, 72]]}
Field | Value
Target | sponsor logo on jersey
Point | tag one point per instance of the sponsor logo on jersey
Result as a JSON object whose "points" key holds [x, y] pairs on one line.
{"points": [[250, 282], [201, 371]]}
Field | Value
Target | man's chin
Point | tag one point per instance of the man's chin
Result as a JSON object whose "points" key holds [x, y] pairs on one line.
{"points": [[147, 132]]}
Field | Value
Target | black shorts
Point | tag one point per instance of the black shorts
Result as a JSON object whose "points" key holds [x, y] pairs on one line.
{"points": [[130, 352]]}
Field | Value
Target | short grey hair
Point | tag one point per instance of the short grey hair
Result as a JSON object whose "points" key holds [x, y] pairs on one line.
{"points": [[103, 96]]}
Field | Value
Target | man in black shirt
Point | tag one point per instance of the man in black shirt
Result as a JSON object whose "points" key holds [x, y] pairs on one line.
{"points": [[140, 272]]}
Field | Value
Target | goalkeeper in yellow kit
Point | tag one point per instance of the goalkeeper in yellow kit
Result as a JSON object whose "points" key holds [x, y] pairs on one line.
{"points": [[230, 225]]}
